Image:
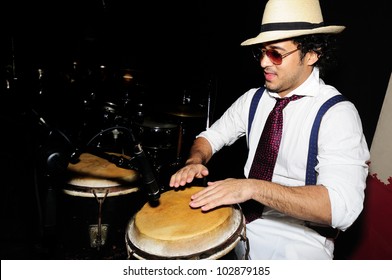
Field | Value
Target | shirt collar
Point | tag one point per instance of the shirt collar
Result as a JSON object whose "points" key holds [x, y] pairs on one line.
{"points": [[307, 88]]}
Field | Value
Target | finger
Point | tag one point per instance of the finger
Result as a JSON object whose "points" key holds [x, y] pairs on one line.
{"points": [[175, 180], [202, 193], [207, 198], [203, 173], [182, 177], [205, 203]]}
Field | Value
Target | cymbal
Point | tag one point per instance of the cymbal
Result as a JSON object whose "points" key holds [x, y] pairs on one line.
{"points": [[186, 111]]}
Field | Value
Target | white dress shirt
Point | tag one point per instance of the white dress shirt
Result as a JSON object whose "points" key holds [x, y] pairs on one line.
{"points": [[342, 149]]}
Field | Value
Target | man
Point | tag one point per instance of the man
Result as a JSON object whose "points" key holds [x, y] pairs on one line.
{"points": [[299, 220]]}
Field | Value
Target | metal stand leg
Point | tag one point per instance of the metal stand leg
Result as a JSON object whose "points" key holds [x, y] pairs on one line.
{"points": [[180, 140], [98, 232]]}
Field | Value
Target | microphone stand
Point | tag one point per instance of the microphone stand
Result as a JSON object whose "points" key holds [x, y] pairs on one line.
{"points": [[53, 155]]}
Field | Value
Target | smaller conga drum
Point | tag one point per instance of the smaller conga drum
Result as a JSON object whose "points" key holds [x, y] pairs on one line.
{"points": [[93, 176], [174, 230]]}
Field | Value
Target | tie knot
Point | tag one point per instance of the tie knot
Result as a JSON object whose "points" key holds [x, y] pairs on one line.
{"points": [[282, 102]]}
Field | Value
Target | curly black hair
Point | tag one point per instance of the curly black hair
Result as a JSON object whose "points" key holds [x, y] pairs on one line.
{"points": [[325, 45]]}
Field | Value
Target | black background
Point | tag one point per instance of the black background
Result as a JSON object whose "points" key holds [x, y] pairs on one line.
{"points": [[179, 45]]}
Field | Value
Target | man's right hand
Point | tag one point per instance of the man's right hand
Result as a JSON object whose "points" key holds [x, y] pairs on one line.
{"points": [[186, 175]]}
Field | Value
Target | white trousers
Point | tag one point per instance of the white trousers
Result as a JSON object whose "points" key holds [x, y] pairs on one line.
{"points": [[278, 239]]}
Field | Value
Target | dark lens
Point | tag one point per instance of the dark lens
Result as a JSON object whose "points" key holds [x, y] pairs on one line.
{"points": [[275, 57]]}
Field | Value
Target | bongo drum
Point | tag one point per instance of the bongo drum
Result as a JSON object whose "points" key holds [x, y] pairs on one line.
{"points": [[94, 176], [174, 230]]}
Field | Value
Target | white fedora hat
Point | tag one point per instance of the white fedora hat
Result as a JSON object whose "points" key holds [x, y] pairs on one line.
{"points": [[284, 19]]}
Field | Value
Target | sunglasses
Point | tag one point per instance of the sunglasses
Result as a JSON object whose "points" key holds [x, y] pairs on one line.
{"points": [[275, 57]]}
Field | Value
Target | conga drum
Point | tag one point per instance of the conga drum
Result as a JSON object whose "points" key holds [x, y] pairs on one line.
{"points": [[174, 230], [95, 177]]}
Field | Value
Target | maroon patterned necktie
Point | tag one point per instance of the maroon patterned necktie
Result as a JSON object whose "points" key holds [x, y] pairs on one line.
{"points": [[266, 153]]}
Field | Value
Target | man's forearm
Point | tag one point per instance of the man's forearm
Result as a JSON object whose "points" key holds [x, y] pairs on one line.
{"points": [[200, 153]]}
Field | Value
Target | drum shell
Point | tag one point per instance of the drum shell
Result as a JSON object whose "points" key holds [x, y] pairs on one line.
{"points": [[77, 213], [97, 194], [156, 135]]}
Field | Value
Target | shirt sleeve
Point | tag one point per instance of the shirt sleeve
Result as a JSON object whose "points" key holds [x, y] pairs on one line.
{"points": [[231, 125], [342, 162]]}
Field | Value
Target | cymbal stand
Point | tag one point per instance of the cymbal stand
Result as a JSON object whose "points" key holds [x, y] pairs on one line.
{"points": [[179, 143], [208, 110]]}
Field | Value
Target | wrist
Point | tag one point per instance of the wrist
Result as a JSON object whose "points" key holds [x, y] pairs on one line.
{"points": [[193, 161]]}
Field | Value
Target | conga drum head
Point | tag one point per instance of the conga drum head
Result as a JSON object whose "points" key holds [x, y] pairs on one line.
{"points": [[174, 230], [93, 173]]}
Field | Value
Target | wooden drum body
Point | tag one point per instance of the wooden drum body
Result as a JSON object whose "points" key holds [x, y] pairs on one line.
{"points": [[174, 230]]}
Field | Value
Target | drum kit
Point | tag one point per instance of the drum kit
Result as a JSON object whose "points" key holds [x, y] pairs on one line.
{"points": [[162, 230]]}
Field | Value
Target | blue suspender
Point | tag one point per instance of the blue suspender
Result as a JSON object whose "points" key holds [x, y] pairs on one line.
{"points": [[311, 177], [253, 106]]}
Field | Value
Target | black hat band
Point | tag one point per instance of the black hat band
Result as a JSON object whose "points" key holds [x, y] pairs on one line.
{"points": [[290, 26]]}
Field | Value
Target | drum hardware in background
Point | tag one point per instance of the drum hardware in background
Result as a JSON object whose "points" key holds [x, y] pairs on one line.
{"points": [[180, 135], [98, 233], [158, 140], [58, 160], [94, 177], [139, 162], [184, 114]]}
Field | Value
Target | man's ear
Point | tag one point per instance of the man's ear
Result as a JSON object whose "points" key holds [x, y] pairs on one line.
{"points": [[312, 57]]}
